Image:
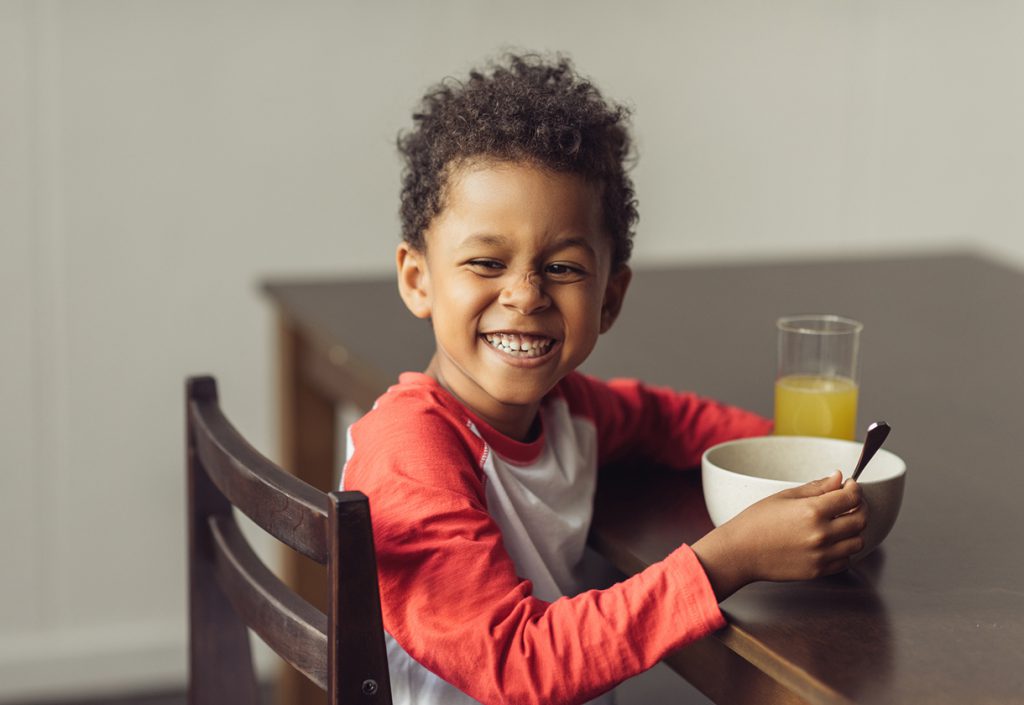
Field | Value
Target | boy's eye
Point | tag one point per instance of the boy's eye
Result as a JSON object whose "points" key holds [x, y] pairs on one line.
{"points": [[562, 272], [487, 267]]}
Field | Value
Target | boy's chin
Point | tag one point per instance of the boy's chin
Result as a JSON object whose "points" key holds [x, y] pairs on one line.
{"points": [[516, 392]]}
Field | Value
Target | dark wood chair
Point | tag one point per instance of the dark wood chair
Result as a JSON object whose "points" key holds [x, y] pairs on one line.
{"points": [[231, 589]]}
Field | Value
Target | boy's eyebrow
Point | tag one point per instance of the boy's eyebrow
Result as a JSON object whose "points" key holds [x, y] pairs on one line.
{"points": [[485, 239], [574, 242]]}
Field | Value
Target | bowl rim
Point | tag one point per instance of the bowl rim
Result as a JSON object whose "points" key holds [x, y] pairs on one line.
{"points": [[865, 479]]}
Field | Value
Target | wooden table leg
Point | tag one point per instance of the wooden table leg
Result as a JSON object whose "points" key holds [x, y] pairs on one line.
{"points": [[308, 437]]}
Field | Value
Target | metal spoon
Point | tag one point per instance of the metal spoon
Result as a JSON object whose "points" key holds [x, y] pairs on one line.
{"points": [[874, 439]]}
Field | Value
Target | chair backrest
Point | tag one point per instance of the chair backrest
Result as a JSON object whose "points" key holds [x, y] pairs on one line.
{"points": [[231, 589]]}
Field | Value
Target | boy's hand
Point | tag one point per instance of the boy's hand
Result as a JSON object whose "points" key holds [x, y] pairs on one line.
{"points": [[797, 534]]}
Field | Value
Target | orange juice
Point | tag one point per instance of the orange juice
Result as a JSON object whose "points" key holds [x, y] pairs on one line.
{"points": [[812, 405]]}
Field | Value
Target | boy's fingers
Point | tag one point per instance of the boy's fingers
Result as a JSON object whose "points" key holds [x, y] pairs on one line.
{"points": [[816, 487], [851, 523], [842, 550], [841, 500], [836, 566]]}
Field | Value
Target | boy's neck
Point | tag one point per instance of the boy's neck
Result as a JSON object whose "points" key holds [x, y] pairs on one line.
{"points": [[519, 423]]}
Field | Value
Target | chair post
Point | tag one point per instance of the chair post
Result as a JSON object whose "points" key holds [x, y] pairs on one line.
{"points": [[355, 637], [220, 664]]}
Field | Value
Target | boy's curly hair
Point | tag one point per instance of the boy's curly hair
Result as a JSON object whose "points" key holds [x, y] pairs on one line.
{"points": [[525, 108]]}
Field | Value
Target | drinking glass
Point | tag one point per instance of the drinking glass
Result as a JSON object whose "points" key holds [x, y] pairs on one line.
{"points": [[817, 378]]}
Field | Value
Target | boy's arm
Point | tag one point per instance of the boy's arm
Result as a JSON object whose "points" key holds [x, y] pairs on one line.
{"points": [[800, 533], [451, 597], [669, 427]]}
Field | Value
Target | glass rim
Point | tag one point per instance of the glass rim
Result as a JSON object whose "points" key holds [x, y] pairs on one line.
{"points": [[805, 323]]}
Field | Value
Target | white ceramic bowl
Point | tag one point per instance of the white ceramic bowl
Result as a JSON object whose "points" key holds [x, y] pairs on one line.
{"points": [[739, 473]]}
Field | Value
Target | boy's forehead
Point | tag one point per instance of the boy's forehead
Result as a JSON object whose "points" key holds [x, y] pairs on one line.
{"points": [[522, 188], [502, 198]]}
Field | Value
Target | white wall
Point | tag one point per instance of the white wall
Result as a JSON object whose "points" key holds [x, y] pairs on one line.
{"points": [[157, 158]]}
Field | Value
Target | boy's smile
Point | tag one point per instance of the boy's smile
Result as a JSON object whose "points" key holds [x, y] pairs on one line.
{"points": [[516, 279]]}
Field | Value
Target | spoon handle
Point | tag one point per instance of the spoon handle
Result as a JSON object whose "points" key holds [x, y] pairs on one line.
{"points": [[876, 435]]}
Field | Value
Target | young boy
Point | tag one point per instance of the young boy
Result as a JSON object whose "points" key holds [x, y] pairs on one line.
{"points": [[517, 215]]}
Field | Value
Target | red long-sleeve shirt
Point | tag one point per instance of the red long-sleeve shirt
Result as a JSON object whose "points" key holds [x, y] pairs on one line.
{"points": [[480, 539]]}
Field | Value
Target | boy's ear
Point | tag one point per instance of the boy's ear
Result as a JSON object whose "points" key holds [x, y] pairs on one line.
{"points": [[614, 295], [413, 279]]}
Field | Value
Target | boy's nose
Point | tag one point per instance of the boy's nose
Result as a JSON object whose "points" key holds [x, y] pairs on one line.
{"points": [[525, 294]]}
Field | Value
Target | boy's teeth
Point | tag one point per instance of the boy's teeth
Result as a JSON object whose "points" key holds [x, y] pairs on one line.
{"points": [[521, 345]]}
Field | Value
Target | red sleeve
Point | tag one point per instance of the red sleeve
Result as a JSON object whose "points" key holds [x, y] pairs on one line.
{"points": [[668, 427], [450, 594]]}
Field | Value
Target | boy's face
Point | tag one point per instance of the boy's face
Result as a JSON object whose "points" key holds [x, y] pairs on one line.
{"points": [[516, 279]]}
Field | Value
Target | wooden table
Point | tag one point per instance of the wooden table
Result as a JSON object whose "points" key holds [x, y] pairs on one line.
{"points": [[936, 615]]}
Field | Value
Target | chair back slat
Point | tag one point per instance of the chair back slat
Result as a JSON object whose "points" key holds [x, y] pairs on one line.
{"points": [[289, 625], [297, 516], [357, 651]]}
